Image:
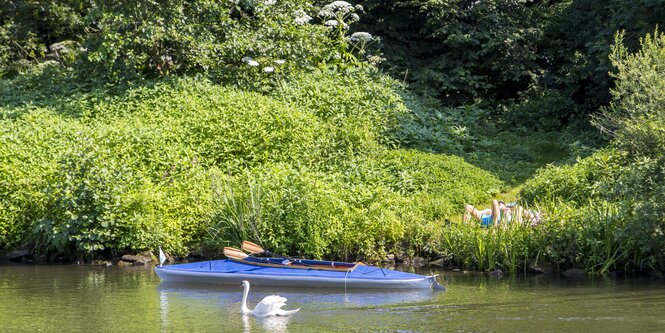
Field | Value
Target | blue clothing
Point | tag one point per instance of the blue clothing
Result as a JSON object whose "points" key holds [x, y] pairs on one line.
{"points": [[486, 220]]}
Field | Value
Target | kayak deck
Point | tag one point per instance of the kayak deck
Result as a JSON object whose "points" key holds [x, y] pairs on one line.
{"points": [[229, 272], [299, 263]]}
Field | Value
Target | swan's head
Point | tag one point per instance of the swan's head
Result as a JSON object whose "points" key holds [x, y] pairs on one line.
{"points": [[244, 284]]}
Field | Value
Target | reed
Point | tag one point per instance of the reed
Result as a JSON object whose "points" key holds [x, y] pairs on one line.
{"points": [[594, 238], [508, 247], [236, 215]]}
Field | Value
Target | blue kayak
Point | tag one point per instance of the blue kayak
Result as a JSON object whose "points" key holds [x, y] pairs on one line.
{"points": [[302, 274]]}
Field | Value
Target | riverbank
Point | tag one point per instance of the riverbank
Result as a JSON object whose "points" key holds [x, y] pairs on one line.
{"points": [[324, 157], [148, 260]]}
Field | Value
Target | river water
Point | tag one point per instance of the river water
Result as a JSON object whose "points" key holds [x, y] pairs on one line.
{"points": [[113, 299]]}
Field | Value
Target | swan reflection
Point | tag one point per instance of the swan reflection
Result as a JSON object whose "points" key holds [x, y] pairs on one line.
{"points": [[246, 324], [273, 324]]}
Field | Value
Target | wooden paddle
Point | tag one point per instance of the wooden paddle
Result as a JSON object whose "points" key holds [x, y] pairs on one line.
{"points": [[234, 253], [252, 248], [255, 248]]}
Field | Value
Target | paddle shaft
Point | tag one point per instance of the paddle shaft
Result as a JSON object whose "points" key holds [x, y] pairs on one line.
{"points": [[253, 248]]}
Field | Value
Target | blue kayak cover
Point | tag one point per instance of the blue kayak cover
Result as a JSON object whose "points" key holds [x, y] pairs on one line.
{"points": [[228, 271]]}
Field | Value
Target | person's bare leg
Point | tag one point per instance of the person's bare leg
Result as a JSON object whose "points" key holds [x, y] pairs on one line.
{"points": [[471, 211]]}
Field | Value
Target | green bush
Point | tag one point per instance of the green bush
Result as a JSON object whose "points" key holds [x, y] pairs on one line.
{"points": [[226, 41], [636, 116], [506, 51], [589, 179], [617, 192], [185, 162], [35, 31]]}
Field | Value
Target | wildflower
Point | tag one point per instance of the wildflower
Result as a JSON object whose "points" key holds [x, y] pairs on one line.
{"points": [[269, 2], [269, 69], [359, 8], [336, 8], [301, 17], [280, 61], [354, 18], [364, 37], [330, 23], [252, 63]]}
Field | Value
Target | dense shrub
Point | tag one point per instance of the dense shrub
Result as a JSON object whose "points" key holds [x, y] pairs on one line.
{"points": [[636, 116], [34, 31], [589, 179], [510, 52], [228, 41], [179, 163], [622, 184], [150, 38], [456, 49]]}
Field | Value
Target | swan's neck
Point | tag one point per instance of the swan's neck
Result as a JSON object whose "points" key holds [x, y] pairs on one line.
{"points": [[243, 308]]}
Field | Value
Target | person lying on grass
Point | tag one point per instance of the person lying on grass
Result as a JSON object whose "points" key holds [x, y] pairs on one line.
{"points": [[501, 212]]}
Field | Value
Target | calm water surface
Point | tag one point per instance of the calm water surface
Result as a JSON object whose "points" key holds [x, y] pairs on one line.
{"points": [[113, 299]]}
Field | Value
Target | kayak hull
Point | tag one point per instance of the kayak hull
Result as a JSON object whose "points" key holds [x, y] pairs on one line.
{"points": [[229, 272]]}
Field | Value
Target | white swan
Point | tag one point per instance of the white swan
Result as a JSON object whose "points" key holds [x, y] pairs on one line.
{"points": [[269, 306]]}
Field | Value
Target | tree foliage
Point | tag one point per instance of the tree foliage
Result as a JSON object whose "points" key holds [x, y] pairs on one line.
{"points": [[520, 54], [630, 175], [636, 116]]}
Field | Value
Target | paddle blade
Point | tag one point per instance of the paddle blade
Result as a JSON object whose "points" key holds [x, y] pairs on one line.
{"points": [[234, 253], [251, 247]]}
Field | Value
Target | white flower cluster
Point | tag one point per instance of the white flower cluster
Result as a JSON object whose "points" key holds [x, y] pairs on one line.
{"points": [[250, 61], [301, 17], [339, 13], [336, 8], [268, 69], [361, 37], [333, 23], [269, 2]]}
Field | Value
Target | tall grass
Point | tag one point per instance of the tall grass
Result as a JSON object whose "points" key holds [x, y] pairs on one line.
{"points": [[595, 237], [236, 214], [471, 246]]}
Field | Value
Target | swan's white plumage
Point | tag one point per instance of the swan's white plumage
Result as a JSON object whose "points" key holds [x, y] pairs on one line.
{"points": [[269, 306]]}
